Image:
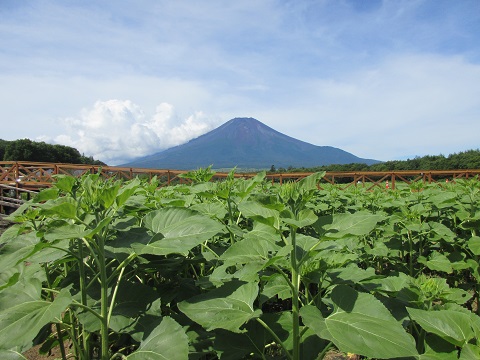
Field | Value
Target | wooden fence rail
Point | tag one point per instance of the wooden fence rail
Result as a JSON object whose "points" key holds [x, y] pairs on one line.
{"points": [[34, 176]]}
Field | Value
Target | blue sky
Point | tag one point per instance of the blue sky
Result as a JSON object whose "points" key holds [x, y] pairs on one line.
{"points": [[382, 79]]}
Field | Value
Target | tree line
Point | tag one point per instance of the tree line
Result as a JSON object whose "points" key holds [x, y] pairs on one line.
{"points": [[28, 150], [469, 159]]}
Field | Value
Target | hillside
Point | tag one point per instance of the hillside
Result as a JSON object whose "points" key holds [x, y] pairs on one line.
{"points": [[246, 143]]}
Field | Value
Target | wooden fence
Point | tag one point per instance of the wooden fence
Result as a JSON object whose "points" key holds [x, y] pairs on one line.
{"points": [[33, 176]]}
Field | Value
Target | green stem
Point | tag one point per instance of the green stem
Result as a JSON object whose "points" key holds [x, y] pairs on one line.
{"points": [[410, 243], [295, 300], [83, 294], [104, 296], [114, 295], [324, 351], [277, 339], [57, 325]]}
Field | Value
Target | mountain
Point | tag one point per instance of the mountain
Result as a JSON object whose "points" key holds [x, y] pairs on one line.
{"points": [[246, 143]]}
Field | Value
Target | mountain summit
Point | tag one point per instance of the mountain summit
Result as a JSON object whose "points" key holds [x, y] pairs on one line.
{"points": [[246, 143]]}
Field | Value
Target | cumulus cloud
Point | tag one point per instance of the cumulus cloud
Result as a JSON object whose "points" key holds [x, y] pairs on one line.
{"points": [[116, 131]]}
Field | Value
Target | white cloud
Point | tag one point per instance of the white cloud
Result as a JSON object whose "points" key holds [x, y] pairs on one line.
{"points": [[406, 105], [116, 131]]}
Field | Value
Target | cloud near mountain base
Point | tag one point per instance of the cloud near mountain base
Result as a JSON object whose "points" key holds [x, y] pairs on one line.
{"points": [[116, 131]]}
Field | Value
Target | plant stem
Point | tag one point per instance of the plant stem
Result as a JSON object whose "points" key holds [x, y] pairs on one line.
{"points": [[295, 300], [277, 339], [103, 297], [83, 293], [57, 325]]}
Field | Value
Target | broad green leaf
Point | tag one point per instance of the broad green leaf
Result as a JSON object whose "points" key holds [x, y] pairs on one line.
{"points": [[234, 346], [66, 231], [248, 250], [108, 195], [178, 231], [260, 213], [65, 183], [228, 307], [121, 244], [18, 250], [360, 324], [442, 231], [27, 288], [214, 210], [134, 301], [390, 284], [306, 217], [357, 224], [11, 355], [438, 349], [453, 326], [21, 323], [126, 191], [470, 352], [168, 341], [352, 274], [438, 262], [275, 285], [44, 252], [262, 232], [63, 207], [46, 194], [250, 271], [310, 182], [474, 245]]}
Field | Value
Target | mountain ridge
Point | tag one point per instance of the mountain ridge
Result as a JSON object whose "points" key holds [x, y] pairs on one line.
{"points": [[246, 143]]}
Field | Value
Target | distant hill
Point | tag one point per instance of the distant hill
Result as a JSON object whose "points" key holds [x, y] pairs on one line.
{"points": [[28, 150], [246, 143]]}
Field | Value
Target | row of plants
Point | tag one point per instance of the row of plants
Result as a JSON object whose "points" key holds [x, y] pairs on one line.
{"points": [[242, 269]]}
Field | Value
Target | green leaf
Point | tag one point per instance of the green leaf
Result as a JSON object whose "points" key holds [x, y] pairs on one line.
{"points": [[167, 341], [108, 195], [438, 262], [135, 301], [276, 285], [66, 231], [46, 194], [178, 231], [357, 224], [234, 346], [65, 183], [474, 245], [442, 231], [260, 213], [63, 207], [21, 323], [126, 191], [306, 217], [310, 182], [11, 355], [249, 250], [360, 324], [18, 250], [450, 325], [228, 307], [213, 210], [470, 352]]}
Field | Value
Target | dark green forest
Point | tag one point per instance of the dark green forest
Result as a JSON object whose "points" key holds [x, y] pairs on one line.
{"points": [[28, 150], [469, 159]]}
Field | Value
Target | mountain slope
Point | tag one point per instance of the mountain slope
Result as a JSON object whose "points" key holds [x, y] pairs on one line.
{"points": [[246, 143]]}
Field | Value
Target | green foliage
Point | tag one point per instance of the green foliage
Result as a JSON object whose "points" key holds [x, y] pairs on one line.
{"points": [[243, 269], [27, 150], [469, 159]]}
